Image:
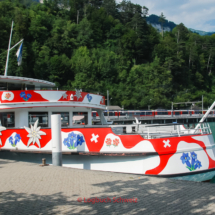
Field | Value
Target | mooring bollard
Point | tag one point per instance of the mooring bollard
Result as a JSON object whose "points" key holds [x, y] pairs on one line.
{"points": [[56, 140], [43, 161]]}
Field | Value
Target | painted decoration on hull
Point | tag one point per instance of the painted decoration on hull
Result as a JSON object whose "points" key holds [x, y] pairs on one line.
{"points": [[35, 134], [25, 96], [73, 140], [191, 161], [1, 129], [25, 138], [89, 97], [167, 153], [14, 139], [20, 96], [179, 162], [114, 142], [78, 93], [9, 96]]}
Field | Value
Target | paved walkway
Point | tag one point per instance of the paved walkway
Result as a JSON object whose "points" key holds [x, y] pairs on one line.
{"points": [[27, 188]]}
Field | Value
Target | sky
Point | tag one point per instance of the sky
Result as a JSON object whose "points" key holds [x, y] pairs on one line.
{"points": [[196, 14]]}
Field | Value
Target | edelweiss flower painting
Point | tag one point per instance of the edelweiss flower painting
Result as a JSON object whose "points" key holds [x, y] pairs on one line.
{"points": [[34, 133]]}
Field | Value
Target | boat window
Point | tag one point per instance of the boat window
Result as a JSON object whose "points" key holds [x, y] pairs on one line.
{"points": [[122, 114], [80, 118], [42, 118], [30, 87], [3, 86], [177, 113], [64, 118], [148, 113], [162, 113], [184, 112], [14, 86], [111, 114], [7, 119]]}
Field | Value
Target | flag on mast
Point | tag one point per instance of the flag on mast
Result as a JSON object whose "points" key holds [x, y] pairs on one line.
{"points": [[19, 55]]}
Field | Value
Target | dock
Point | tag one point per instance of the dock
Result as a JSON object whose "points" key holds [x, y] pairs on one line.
{"points": [[27, 188]]}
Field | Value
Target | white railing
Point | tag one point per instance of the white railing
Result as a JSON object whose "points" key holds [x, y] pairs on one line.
{"points": [[155, 131]]}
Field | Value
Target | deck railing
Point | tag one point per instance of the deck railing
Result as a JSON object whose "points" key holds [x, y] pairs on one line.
{"points": [[160, 130], [177, 131]]}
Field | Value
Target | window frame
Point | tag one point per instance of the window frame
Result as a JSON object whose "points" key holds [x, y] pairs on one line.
{"points": [[39, 124]]}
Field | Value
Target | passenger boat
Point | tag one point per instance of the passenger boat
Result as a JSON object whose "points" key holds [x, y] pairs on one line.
{"points": [[26, 106]]}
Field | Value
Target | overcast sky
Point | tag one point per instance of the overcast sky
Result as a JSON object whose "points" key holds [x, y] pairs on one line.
{"points": [[196, 14]]}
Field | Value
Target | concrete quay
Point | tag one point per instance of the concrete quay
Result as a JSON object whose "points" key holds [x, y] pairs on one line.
{"points": [[27, 188]]}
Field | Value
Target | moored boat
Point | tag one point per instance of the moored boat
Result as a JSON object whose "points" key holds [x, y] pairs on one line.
{"points": [[25, 113]]}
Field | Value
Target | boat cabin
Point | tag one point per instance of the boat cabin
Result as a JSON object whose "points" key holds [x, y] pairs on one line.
{"points": [[26, 100]]}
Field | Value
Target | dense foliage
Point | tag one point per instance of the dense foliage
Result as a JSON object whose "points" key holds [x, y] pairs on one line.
{"points": [[102, 45]]}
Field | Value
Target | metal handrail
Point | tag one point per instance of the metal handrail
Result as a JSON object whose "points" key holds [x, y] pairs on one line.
{"points": [[204, 129]]}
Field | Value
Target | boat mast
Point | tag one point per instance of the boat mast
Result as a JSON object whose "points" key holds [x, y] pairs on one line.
{"points": [[8, 51]]}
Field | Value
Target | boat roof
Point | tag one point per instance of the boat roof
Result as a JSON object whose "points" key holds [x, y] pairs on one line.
{"points": [[27, 81]]}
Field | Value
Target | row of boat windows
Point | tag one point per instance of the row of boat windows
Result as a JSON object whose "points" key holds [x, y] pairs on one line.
{"points": [[8, 119], [15, 86]]}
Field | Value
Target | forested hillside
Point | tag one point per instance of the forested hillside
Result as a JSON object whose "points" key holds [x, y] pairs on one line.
{"points": [[99, 45], [154, 19]]}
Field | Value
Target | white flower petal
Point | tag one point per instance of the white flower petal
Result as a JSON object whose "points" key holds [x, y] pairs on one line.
{"points": [[38, 136], [35, 125], [29, 141], [38, 129], [41, 133], [27, 129], [34, 131], [2, 128], [34, 140], [38, 142]]}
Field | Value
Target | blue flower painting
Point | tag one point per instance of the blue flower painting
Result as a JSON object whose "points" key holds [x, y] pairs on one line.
{"points": [[89, 97], [80, 140], [73, 140], [191, 161], [25, 97], [15, 140]]}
